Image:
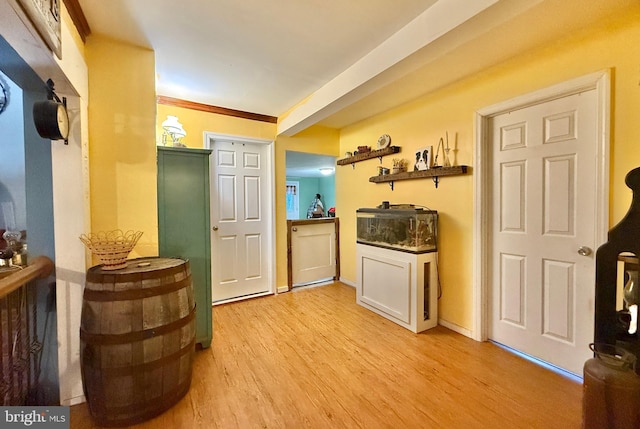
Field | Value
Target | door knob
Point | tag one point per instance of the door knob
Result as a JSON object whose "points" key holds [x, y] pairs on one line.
{"points": [[585, 251], [294, 229], [215, 228]]}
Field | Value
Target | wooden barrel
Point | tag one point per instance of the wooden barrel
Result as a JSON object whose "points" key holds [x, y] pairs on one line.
{"points": [[137, 339]]}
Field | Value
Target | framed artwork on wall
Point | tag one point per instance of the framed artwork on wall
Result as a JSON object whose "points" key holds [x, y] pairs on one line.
{"points": [[45, 17], [423, 158]]}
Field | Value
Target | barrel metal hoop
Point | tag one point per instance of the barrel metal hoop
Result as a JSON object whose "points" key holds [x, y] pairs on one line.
{"points": [[129, 337], [145, 366], [134, 294], [96, 275]]}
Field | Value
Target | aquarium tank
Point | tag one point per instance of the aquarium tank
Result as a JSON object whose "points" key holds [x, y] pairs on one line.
{"points": [[400, 227]]}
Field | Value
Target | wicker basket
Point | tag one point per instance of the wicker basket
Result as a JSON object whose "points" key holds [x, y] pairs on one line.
{"points": [[111, 247]]}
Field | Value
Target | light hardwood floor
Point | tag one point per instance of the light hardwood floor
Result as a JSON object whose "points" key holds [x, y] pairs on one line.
{"points": [[312, 358]]}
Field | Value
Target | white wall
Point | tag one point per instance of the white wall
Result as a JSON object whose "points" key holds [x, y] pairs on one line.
{"points": [[70, 183], [71, 213]]}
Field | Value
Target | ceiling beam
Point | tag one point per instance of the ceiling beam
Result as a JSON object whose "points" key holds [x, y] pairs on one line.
{"points": [[404, 52]]}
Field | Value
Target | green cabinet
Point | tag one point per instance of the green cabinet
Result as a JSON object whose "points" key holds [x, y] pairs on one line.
{"points": [[184, 224]]}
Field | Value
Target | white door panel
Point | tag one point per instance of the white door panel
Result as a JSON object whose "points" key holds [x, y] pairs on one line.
{"points": [[252, 199], [512, 204], [559, 191], [227, 258], [253, 245], [240, 228], [512, 304], [558, 314], [313, 255], [394, 298], [543, 210]]}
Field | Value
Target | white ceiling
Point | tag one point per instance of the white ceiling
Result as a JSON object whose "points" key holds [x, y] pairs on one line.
{"points": [[332, 62], [251, 55], [301, 164]]}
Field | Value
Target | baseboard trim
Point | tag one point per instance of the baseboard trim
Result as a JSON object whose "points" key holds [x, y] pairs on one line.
{"points": [[455, 328], [282, 289], [241, 298], [347, 282]]}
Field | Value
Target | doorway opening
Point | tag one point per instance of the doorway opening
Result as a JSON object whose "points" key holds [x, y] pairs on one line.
{"points": [[311, 174]]}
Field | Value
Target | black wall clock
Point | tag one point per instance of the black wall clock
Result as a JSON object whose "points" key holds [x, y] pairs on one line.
{"points": [[51, 118]]}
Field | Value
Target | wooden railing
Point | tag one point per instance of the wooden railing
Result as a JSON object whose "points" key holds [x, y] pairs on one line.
{"points": [[21, 346], [40, 267]]}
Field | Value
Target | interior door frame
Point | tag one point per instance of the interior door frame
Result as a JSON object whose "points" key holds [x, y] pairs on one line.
{"points": [[601, 82], [209, 139]]}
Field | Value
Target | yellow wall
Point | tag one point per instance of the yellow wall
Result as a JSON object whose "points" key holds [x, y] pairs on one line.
{"points": [[613, 44], [317, 140], [122, 149]]}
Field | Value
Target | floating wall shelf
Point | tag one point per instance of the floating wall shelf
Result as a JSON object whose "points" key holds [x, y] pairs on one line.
{"points": [[378, 153], [434, 173]]}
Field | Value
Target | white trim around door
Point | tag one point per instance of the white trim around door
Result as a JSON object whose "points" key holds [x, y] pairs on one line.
{"points": [[600, 81]]}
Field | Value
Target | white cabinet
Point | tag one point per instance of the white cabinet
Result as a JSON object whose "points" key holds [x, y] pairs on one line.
{"points": [[401, 286]]}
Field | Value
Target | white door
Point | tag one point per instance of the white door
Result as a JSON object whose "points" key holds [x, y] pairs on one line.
{"points": [[313, 252], [543, 160], [240, 219]]}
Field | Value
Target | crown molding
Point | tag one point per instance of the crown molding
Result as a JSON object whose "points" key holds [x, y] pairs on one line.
{"points": [[169, 101], [78, 18]]}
